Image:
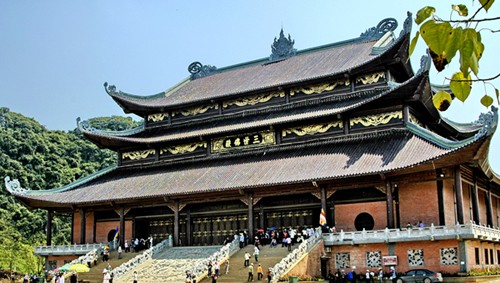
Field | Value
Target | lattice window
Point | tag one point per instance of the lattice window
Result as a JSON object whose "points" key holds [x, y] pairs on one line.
{"points": [[342, 260], [415, 257], [449, 256], [374, 259]]}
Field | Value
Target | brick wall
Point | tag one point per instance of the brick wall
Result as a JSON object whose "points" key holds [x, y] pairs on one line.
{"points": [[482, 206], [419, 202], [449, 202], [345, 214], [102, 229], [311, 263]]}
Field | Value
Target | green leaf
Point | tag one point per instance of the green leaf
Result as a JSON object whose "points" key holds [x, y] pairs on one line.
{"points": [[471, 51], [424, 13], [413, 43], [443, 41], [486, 100], [461, 9], [460, 85], [441, 100], [498, 95], [486, 4]]}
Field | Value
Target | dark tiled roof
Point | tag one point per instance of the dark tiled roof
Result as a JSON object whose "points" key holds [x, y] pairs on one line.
{"points": [[383, 152], [252, 77]]}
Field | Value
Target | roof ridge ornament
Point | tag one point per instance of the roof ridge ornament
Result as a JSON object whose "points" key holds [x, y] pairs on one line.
{"points": [[282, 47], [13, 186], [199, 70], [385, 25], [407, 24], [110, 89], [488, 121]]}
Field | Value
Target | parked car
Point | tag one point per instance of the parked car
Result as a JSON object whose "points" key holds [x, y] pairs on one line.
{"points": [[420, 275]]}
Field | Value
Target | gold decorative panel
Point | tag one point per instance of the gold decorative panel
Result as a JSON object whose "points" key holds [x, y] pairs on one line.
{"points": [[243, 141], [370, 78], [136, 155], [376, 120], [415, 121], [157, 117], [185, 148], [312, 129], [256, 99], [195, 110], [318, 88]]}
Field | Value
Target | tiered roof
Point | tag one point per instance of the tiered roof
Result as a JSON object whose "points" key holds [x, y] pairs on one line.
{"points": [[335, 112]]}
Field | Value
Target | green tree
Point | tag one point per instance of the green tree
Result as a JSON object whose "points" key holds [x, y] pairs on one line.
{"points": [[462, 35]]}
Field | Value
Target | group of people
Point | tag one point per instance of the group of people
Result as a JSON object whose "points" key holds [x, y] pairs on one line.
{"points": [[340, 276]]}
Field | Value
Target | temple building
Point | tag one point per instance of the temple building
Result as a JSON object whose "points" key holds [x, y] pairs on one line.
{"points": [[347, 127]]}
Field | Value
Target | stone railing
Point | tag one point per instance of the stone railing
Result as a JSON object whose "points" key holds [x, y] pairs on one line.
{"points": [[459, 231], [146, 255], [286, 264], [66, 249], [200, 269]]}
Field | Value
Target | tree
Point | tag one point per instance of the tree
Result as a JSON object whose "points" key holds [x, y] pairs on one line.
{"points": [[446, 38]]}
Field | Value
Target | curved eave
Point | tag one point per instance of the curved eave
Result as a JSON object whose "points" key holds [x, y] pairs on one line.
{"points": [[386, 152], [170, 99], [115, 142]]}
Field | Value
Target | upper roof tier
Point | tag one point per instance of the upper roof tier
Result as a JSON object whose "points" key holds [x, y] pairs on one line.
{"points": [[375, 47]]}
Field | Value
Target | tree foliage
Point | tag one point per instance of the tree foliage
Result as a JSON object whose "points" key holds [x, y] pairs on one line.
{"points": [[446, 38], [42, 159]]}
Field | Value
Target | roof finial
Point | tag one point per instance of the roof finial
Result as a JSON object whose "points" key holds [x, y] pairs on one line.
{"points": [[282, 47], [385, 25]]}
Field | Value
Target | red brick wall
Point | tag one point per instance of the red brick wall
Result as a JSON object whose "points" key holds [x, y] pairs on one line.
{"points": [[418, 202], [345, 214], [471, 254], [467, 197], [482, 206], [311, 263], [102, 229], [357, 255], [62, 259]]}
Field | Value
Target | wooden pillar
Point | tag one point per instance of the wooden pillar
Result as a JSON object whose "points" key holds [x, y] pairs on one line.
{"points": [[82, 226], [176, 223], [389, 204], [397, 212], [250, 217], [475, 203], [440, 196], [459, 195], [332, 214], [50, 215], [489, 209], [188, 227], [121, 235], [261, 216], [323, 198]]}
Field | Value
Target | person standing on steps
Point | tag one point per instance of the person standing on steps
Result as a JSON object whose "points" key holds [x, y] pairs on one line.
{"points": [[268, 274], [247, 259], [227, 266], [259, 272], [136, 277], [250, 272]]}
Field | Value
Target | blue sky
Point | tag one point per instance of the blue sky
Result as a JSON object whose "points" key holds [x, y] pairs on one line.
{"points": [[56, 55]]}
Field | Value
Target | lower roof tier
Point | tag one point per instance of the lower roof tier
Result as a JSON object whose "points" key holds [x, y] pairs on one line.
{"points": [[385, 152]]}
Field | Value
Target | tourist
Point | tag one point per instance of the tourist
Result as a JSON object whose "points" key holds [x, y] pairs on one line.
{"points": [[107, 277], [250, 272], [421, 225], [393, 274], [247, 259], [73, 278], [289, 243], [127, 247], [61, 278], [136, 277], [367, 276], [26, 278], [268, 274], [227, 266], [242, 241], [259, 272], [119, 252], [256, 242], [217, 267], [89, 261], [380, 275], [209, 269], [256, 252], [214, 278]]}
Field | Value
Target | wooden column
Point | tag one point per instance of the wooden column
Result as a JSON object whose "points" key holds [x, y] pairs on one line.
{"points": [[489, 208], [121, 235], [440, 196], [250, 217], [82, 226], [261, 216], [475, 203], [176, 223], [188, 227], [459, 195], [323, 198], [389, 204], [50, 215]]}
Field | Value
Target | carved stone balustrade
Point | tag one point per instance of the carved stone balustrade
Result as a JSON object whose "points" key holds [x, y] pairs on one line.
{"points": [[66, 249], [459, 231]]}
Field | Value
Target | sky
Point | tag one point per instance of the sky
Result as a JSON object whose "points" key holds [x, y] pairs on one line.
{"points": [[56, 55]]}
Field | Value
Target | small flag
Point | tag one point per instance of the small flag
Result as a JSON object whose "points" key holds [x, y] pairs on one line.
{"points": [[117, 233], [322, 218]]}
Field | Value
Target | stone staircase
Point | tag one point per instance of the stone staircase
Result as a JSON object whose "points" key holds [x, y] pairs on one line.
{"points": [[95, 275], [169, 265]]}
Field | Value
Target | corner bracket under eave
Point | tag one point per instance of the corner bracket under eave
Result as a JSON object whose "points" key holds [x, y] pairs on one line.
{"points": [[14, 187]]}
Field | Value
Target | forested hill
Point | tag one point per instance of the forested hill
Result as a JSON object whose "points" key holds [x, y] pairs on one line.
{"points": [[42, 159]]}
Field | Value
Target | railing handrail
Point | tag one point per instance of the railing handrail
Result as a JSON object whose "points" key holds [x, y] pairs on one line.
{"points": [[282, 267], [200, 269], [147, 254]]}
